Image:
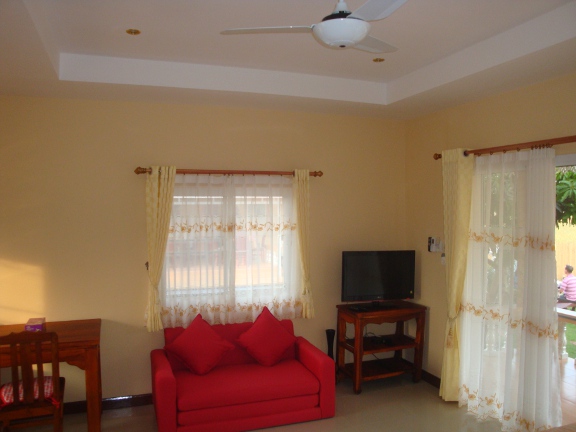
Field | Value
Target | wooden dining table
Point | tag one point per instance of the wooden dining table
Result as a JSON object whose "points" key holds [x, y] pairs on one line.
{"points": [[79, 345]]}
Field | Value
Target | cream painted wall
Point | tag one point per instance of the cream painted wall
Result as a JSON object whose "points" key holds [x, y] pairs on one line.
{"points": [[72, 211], [542, 111], [72, 219]]}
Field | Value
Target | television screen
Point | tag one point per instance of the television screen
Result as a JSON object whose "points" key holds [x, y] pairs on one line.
{"points": [[377, 275]]}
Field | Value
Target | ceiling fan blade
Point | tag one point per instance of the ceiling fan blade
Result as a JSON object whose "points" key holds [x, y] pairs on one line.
{"points": [[374, 45], [374, 10], [257, 30]]}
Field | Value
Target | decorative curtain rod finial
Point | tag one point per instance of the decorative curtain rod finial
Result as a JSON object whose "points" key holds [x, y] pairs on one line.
{"points": [[141, 170]]}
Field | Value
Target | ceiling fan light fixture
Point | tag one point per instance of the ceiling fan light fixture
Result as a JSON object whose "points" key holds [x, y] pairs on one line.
{"points": [[341, 32]]}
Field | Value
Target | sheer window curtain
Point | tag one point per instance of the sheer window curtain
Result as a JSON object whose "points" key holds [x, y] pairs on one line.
{"points": [[232, 249], [159, 188], [508, 350]]}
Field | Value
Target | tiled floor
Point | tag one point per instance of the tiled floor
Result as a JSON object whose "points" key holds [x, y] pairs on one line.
{"points": [[396, 405]]}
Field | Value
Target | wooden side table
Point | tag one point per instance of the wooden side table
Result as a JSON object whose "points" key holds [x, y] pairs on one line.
{"points": [[361, 314]]}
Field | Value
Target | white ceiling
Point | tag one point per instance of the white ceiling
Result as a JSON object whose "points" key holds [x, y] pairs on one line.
{"points": [[450, 52]]}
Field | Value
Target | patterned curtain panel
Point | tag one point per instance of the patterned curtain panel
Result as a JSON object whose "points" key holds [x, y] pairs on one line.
{"points": [[232, 249], [159, 188], [457, 172], [509, 352], [302, 198]]}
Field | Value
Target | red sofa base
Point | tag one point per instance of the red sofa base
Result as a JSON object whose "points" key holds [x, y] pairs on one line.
{"points": [[239, 394], [244, 411]]}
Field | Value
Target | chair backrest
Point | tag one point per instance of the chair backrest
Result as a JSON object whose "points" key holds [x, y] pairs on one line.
{"points": [[29, 350]]}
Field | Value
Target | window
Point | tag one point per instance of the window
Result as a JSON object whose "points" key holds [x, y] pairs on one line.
{"points": [[232, 249]]}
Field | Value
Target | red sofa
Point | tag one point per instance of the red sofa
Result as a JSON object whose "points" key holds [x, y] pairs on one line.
{"points": [[238, 393]]}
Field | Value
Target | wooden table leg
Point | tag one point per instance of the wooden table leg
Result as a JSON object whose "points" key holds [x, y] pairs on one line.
{"points": [[340, 351], [418, 351], [358, 355], [93, 389]]}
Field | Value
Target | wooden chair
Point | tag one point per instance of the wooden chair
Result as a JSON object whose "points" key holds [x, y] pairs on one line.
{"points": [[29, 350]]}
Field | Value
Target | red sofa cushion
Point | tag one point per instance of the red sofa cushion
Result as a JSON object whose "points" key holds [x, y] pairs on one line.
{"points": [[267, 340], [199, 347], [251, 383], [231, 333]]}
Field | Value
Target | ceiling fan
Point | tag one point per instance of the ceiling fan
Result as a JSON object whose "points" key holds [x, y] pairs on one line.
{"points": [[342, 28]]}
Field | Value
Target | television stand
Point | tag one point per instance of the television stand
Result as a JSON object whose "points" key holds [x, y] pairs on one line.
{"points": [[397, 311]]}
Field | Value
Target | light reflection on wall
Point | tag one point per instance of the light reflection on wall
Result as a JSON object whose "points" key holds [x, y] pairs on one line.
{"points": [[21, 292]]}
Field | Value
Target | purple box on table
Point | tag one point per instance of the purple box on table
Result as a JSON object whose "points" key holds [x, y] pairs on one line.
{"points": [[35, 325]]}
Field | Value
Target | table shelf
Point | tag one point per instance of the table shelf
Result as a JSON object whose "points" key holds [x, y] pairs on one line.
{"points": [[381, 368], [384, 343]]}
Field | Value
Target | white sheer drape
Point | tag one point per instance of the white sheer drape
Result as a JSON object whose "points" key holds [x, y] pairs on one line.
{"points": [[508, 350], [232, 249]]}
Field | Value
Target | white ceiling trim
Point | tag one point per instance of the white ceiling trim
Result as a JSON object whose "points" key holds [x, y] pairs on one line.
{"points": [[100, 69], [543, 32]]}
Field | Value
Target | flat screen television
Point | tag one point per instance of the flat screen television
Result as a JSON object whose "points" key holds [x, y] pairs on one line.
{"points": [[377, 275]]}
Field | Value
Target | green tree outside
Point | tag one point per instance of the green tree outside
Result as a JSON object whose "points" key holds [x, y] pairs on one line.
{"points": [[566, 215], [565, 196]]}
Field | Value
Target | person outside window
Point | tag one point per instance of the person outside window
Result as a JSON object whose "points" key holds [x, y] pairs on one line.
{"points": [[567, 287]]}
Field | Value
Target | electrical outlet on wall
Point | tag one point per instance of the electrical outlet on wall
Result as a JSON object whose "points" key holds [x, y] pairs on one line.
{"points": [[435, 244]]}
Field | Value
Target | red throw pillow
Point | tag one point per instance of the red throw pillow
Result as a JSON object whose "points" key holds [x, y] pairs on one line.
{"points": [[199, 346], [267, 340]]}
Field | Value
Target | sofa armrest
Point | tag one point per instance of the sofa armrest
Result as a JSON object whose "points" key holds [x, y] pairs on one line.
{"points": [[324, 368], [163, 391]]}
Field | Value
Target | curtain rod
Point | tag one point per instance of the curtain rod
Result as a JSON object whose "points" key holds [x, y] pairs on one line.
{"points": [[521, 146], [141, 170]]}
